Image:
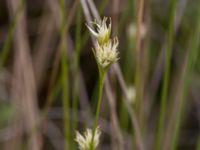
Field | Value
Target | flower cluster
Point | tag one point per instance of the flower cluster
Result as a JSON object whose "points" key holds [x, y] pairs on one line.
{"points": [[84, 141], [105, 49]]}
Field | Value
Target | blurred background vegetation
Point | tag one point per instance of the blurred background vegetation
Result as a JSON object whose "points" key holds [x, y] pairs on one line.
{"points": [[49, 77]]}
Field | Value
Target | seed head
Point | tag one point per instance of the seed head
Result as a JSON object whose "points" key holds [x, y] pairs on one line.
{"points": [[84, 141], [102, 33]]}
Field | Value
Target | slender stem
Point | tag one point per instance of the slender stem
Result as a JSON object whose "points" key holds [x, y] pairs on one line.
{"points": [[128, 63], [6, 47], [76, 71], [139, 83], [102, 74], [166, 75], [193, 53], [64, 74]]}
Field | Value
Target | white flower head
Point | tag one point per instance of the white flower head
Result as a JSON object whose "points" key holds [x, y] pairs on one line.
{"points": [[107, 53], [102, 32], [132, 30], [84, 141], [131, 94]]}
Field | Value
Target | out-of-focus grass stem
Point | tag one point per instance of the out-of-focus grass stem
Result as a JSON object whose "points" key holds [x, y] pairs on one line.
{"points": [[127, 68], [138, 73], [64, 74], [193, 53], [76, 68], [170, 37], [85, 37], [7, 45]]}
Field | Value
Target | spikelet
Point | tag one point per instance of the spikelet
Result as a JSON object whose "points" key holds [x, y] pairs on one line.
{"points": [[84, 141], [102, 33]]}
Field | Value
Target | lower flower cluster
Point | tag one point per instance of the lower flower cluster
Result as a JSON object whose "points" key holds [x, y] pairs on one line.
{"points": [[85, 141]]}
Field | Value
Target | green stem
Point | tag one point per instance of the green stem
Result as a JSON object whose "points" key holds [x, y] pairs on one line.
{"points": [[6, 48], [166, 75], [102, 74], [64, 76], [128, 63], [190, 66], [76, 71]]}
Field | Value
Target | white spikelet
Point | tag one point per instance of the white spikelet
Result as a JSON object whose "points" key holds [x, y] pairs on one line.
{"points": [[84, 141]]}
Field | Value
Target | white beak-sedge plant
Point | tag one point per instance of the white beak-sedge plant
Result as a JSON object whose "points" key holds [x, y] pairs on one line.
{"points": [[106, 53]]}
